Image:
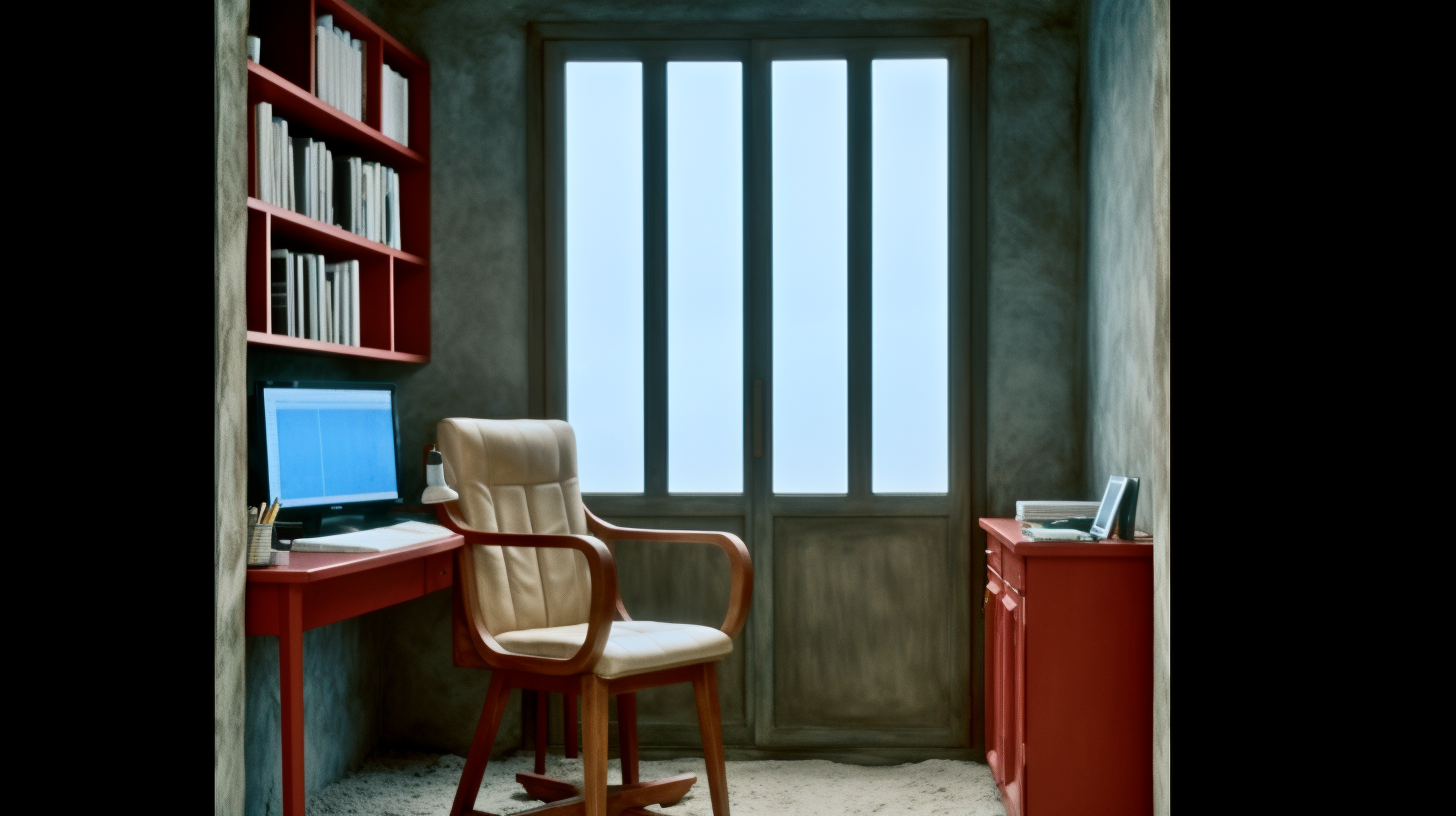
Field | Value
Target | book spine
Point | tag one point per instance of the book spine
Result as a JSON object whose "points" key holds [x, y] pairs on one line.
{"points": [[354, 296], [278, 278]]}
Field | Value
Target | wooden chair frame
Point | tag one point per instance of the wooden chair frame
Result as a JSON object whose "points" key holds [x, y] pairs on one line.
{"points": [[475, 646]]}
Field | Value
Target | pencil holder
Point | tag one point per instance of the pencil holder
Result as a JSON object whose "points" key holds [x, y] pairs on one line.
{"points": [[260, 544]]}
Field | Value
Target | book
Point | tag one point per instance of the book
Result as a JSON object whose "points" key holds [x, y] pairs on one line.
{"points": [[279, 285], [1042, 511], [262, 151], [394, 106], [1044, 534], [355, 338]]}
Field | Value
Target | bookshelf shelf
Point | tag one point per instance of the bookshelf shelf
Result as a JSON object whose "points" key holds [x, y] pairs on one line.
{"points": [[258, 338], [393, 284], [325, 237], [299, 106]]}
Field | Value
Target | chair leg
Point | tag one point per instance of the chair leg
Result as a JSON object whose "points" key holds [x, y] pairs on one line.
{"points": [[543, 729], [594, 763], [485, 731], [627, 736], [568, 724], [710, 723]]}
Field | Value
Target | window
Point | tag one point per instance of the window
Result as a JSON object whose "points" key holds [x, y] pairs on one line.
{"points": [[729, 277]]}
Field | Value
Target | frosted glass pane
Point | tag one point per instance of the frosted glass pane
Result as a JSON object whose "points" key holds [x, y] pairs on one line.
{"points": [[705, 277], [909, 343], [604, 272], [810, 278]]}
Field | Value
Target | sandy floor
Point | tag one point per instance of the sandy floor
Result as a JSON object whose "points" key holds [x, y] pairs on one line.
{"points": [[424, 785]]}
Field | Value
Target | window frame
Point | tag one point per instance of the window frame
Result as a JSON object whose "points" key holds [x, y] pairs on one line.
{"points": [[550, 45]]}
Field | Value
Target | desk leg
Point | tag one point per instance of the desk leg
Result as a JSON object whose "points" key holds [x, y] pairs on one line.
{"points": [[290, 695]]}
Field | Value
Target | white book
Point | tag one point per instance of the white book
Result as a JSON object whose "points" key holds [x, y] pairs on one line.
{"points": [[316, 181], [394, 210], [324, 28], [357, 77], [275, 162], [325, 299], [315, 295], [262, 130], [386, 91], [354, 297], [402, 105], [341, 287]]}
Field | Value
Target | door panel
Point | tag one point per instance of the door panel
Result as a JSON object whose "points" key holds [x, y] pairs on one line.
{"points": [[682, 583], [860, 626]]}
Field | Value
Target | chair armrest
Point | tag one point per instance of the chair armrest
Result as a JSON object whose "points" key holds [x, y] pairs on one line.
{"points": [[603, 569], [740, 590]]}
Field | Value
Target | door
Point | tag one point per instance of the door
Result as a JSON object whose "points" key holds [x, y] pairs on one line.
{"points": [[758, 296]]}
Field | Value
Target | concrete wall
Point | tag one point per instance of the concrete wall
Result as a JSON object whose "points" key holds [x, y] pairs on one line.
{"points": [[343, 689], [229, 455], [1128, 182], [479, 290]]}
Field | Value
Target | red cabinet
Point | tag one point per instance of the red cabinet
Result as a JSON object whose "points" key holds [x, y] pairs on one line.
{"points": [[1069, 674]]}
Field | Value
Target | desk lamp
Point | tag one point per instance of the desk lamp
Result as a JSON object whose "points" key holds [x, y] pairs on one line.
{"points": [[436, 491]]}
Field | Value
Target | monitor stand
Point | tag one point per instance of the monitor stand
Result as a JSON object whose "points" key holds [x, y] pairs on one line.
{"points": [[353, 522]]}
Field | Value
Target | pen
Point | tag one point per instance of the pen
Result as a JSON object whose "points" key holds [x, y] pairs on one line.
{"points": [[273, 511]]}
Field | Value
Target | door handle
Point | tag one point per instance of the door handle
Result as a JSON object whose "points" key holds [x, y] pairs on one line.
{"points": [[758, 419]]}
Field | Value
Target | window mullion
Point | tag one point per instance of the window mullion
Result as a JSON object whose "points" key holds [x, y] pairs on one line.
{"points": [[860, 280], [654, 277]]}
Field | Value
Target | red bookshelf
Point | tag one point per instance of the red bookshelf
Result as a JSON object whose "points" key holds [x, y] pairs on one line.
{"points": [[394, 286]]}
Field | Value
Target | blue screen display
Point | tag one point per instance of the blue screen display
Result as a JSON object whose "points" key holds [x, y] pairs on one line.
{"points": [[328, 446]]}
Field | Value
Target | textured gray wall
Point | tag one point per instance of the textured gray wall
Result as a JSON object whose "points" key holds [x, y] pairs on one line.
{"points": [[479, 287], [343, 689], [1128, 166], [229, 454], [477, 61]]}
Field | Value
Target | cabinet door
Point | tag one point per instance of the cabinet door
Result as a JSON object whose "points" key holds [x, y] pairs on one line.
{"points": [[1011, 713], [991, 611]]}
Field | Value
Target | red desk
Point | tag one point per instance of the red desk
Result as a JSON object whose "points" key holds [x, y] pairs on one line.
{"points": [[317, 589]]}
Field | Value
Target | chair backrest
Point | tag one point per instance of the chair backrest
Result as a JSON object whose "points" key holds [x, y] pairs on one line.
{"points": [[519, 476]]}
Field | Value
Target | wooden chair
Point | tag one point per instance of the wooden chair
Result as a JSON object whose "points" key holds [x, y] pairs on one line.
{"points": [[538, 605]]}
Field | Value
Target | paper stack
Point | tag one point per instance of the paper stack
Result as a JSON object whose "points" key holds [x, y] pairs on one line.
{"points": [[1040, 512]]}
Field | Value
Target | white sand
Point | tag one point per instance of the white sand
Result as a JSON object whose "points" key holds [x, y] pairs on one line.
{"points": [[424, 785]]}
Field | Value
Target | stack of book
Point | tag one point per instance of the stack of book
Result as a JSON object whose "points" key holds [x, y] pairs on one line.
{"points": [[273, 157], [369, 200], [340, 68], [313, 299], [394, 106], [313, 175], [303, 175], [1037, 513]]}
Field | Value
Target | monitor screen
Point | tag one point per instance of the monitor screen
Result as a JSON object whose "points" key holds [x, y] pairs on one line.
{"points": [[329, 445]]}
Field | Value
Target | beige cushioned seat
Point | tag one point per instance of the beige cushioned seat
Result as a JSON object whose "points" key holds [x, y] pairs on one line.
{"points": [[634, 647], [519, 476]]}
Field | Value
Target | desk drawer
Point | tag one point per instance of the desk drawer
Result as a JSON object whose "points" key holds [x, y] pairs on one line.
{"points": [[993, 553], [1014, 571]]}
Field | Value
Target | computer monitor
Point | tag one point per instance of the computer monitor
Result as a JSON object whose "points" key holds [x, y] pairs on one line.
{"points": [[330, 446]]}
